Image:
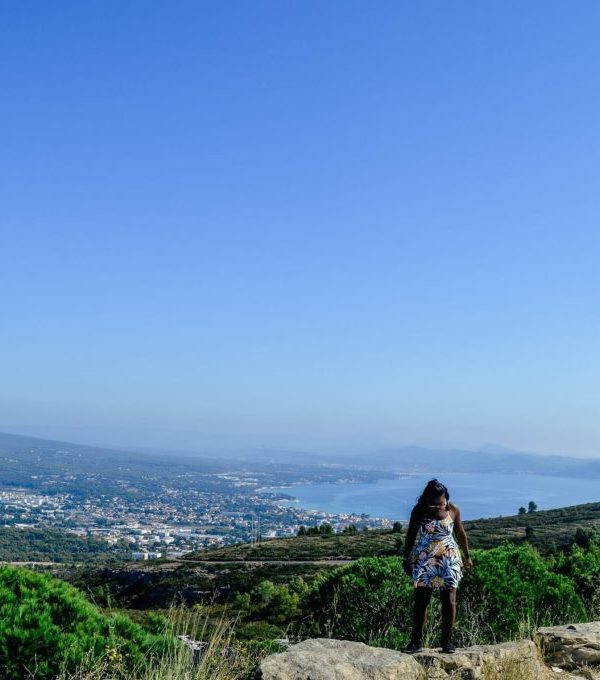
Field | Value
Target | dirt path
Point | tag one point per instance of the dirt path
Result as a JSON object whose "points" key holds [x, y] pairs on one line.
{"points": [[182, 560]]}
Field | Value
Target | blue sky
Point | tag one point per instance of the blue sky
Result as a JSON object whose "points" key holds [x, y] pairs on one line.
{"points": [[334, 225]]}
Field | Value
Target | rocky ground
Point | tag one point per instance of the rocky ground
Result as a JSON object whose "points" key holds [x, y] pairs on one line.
{"points": [[566, 652]]}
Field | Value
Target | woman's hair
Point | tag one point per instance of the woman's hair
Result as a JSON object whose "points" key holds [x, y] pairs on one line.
{"points": [[432, 489]]}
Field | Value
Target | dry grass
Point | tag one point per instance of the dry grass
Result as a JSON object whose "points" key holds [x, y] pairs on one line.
{"points": [[509, 669], [223, 658]]}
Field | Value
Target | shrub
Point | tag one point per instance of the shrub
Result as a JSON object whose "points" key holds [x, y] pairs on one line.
{"points": [[258, 630], [510, 590], [582, 567], [47, 626], [365, 600], [276, 603], [513, 585]]}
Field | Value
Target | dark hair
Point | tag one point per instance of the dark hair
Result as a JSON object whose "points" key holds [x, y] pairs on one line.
{"points": [[432, 489]]}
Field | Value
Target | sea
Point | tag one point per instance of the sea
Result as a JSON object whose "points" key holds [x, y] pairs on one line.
{"points": [[477, 495]]}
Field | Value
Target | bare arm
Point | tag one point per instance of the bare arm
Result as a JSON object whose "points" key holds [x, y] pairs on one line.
{"points": [[461, 534]]}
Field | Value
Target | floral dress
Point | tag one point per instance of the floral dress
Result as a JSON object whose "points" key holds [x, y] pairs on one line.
{"points": [[435, 557]]}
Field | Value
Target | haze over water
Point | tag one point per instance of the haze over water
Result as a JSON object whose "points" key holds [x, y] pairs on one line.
{"points": [[477, 495]]}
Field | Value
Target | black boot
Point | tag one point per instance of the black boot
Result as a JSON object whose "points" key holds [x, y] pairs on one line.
{"points": [[448, 647], [415, 646]]}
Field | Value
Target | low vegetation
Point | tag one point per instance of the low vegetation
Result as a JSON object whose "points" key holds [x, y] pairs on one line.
{"points": [[240, 606], [320, 546], [48, 627], [55, 545], [370, 600], [546, 530], [220, 575]]}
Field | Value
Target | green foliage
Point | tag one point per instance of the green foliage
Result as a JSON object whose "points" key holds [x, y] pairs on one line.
{"points": [[397, 528], [324, 529], [371, 599], [156, 623], [53, 545], [554, 529], [263, 593], [512, 584], [242, 601], [275, 603], [365, 600], [399, 543], [531, 507], [582, 566], [310, 545], [583, 537], [47, 626], [522, 510], [258, 630]]}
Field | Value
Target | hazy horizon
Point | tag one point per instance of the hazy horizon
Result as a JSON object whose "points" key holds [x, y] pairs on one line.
{"points": [[322, 227], [213, 446]]}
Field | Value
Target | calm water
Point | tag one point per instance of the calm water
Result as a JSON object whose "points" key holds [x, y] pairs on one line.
{"points": [[477, 495]]}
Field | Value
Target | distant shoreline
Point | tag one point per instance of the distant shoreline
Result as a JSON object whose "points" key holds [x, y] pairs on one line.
{"points": [[479, 495]]}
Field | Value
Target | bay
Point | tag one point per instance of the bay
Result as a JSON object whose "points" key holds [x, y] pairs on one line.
{"points": [[477, 495]]}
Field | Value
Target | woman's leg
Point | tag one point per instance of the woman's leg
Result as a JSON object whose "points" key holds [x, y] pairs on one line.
{"points": [[448, 597], [422, 599]]}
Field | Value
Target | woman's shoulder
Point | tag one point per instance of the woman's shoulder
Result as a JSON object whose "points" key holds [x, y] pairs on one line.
{"points": [[454, 509]]}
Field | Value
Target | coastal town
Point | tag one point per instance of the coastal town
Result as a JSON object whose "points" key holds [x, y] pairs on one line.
{"points": [[174, 521]]}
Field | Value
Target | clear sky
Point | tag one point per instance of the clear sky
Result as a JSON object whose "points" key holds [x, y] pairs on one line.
{"points": [[304, 224]]}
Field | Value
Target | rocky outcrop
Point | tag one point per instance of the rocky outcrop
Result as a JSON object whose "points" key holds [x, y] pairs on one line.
{"points": [[327, 659], [572, 646], [519, 658], [567, 652]]}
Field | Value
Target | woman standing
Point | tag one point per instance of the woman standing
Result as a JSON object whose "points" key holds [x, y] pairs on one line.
{"points": [[432, 558]]}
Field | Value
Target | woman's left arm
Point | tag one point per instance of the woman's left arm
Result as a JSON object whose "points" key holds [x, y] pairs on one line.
{"points": [[461, 535]]}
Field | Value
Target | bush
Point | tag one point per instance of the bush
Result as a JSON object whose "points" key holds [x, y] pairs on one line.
{"points": [[276, 603], [511, 590], [258, 630], [47, 626], [582, 567], [365, 600], [511, 587]]}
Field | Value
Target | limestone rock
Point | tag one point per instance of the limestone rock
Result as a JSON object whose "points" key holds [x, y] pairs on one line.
{"points": [[517, 659], [571, 646], [327, 659]]}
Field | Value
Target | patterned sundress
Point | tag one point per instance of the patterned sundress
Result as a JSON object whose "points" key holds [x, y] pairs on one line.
{"points": [[435, 557]]}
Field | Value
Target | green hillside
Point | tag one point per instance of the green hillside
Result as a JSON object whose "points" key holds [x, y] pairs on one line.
{"points": [[548, 529], [218, 575], [54, 545], [324, 547], [544, 529]]}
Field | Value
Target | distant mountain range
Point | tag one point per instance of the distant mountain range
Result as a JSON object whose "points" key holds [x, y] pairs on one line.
{"points": [[52, 466], [421, 459], [417, 459]]}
